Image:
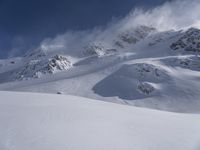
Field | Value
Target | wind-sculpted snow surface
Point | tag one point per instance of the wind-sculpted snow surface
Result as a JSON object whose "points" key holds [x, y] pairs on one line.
{"points": [[190, 62], [51, 122], [133, 82]]}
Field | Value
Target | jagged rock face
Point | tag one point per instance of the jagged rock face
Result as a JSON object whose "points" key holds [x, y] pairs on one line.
{"points": [[190, 41], [132, 36], [97, 49], [36, 68], [58, 63]]}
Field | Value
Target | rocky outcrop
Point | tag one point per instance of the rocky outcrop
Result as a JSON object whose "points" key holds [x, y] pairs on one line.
{"points": [[145, 88], [37, 68], [134, 35], [188, 42], [97, 49]]}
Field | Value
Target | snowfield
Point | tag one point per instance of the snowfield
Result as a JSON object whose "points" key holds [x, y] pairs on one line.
{"points": [[58, 122]]}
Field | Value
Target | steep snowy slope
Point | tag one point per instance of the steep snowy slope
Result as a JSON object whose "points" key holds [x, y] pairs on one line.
{"points": [[49, 122]]}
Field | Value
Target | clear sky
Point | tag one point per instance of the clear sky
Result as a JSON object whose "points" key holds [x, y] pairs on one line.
{"points": [[24, 23]]}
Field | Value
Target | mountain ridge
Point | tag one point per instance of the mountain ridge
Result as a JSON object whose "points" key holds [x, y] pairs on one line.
{"points": [[148, 72]]}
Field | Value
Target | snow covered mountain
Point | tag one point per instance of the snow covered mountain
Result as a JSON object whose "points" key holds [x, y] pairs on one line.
{"points": [[140, 66]]}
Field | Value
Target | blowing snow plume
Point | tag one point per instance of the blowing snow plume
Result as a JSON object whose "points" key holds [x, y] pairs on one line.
{"points": [[173, 15]]}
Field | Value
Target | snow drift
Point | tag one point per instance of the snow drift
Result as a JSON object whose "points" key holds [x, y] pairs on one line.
{"points": [[49, 122]]}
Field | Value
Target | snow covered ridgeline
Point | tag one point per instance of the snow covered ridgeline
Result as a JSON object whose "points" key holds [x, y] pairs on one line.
{"points": [[49, 122], [121, 41], [39, 61], [38, 67]]}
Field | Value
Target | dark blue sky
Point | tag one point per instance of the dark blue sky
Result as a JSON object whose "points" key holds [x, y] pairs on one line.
{"points": [[24, 23]]}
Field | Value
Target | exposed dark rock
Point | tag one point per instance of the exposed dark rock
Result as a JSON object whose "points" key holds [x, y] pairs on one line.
{"points": [[145, 88], [189, 42]]}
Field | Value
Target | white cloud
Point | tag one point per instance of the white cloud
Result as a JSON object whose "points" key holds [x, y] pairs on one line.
{"points": [[172, 15]]}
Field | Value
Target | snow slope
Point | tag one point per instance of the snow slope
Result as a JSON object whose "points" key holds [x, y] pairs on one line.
{"points": [[49, 122], [159, 70]]}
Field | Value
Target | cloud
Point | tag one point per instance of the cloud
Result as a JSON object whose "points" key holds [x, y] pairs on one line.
{"points": [[176, 15]]}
